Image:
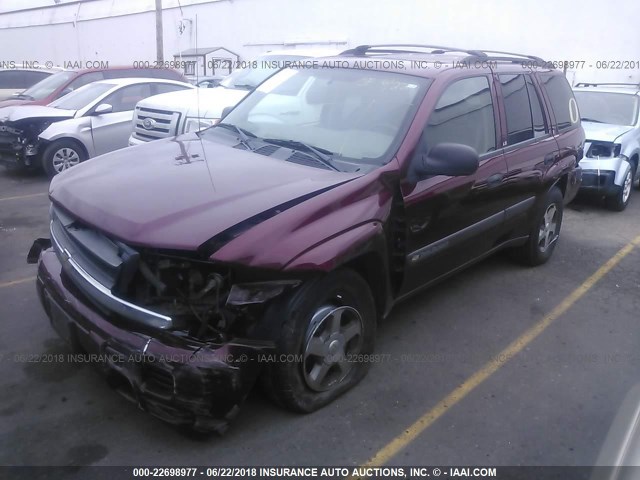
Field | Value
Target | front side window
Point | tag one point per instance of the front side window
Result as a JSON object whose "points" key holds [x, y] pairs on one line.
{"points": [[562, 101], [464, 114], [126, 98], [523, 112], [357, 115]]}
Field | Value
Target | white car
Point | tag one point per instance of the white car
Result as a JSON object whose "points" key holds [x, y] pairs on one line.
{"points": [[175, 113], [90, 121], [611, 121]]}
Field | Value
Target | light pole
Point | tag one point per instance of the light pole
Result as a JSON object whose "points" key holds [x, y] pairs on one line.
{"points": [[159, 39]]}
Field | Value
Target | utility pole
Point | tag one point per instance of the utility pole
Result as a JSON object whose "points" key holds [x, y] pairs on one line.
{"points": [[159, 39]]}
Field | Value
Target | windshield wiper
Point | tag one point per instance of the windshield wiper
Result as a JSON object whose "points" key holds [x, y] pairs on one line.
{"points": [[587, 119], [23, 96], [242, 133], [321, 154]]}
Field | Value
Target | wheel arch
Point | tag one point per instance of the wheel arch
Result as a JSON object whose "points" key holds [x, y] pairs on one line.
{"points": [[68, 138], [362, 249]]}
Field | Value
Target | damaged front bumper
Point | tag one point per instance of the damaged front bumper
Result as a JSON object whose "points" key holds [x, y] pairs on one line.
{"points": [[16, 151], [176, 378]]}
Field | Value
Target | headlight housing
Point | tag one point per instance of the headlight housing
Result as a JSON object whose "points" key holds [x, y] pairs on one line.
{"points": [[604, 150], [196, 124]]}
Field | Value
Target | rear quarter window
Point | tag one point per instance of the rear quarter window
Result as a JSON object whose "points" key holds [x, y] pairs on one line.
{"points": [[563, 103]]}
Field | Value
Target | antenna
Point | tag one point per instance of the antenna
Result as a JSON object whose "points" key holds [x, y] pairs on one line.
{"points": [[198, 72]]}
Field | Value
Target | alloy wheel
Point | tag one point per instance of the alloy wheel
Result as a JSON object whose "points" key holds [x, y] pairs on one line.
{"points": [[548, 227], [626, 187], [333, 339]]}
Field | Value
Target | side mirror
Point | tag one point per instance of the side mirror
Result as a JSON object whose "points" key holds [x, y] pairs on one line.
{"points": [[451, 159], [102, 109], [225, 111]]}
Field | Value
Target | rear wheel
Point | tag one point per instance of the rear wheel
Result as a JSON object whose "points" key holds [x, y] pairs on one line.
{"points": [[328, 331], [62, 155], [545, 231], [620, 200]]}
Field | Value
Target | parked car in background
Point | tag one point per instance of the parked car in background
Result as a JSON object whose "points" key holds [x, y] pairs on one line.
{"points": [[612, 126], [90, 121], [207, 82], [62, 83], [287, 231], [172, 114], [15, 80]]}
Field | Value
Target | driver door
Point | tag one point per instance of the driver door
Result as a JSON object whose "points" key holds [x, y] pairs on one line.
{"points": [[110, 131], [453, 220]]}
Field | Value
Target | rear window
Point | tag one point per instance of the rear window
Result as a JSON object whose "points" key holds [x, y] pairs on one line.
{"points": [[31, 78], [165, 73], [11, 79], [563, 104]]}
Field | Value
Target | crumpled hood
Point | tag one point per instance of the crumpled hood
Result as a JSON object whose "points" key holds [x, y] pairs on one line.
{"points": [[178, 193], [603, 132], [198, 102], [20, 112]]}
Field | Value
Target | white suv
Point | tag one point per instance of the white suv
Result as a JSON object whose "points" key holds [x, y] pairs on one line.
{"points": [[175, 113], [611, 122]]}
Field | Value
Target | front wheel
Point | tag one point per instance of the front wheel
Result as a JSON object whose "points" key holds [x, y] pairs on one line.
{"points": [[325, 340], [545, 230], [62, 155], [620, 200]]}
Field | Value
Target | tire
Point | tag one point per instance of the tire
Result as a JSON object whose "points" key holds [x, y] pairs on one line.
{"points": [[545, 231], [317, 318], [62, 155], [620, 200]]}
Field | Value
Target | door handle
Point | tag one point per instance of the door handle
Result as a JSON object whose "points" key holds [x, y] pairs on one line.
{"points": [[495, 180], [551, 158]]}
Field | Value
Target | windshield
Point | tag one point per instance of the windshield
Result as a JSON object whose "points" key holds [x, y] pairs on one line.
{"points": [[605, 107], [250, 78], [82, 97], [356, 116], [46, 87]]}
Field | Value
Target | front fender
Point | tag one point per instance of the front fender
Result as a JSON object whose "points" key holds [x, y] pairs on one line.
{"points": [[341, 248], [78, 129]]}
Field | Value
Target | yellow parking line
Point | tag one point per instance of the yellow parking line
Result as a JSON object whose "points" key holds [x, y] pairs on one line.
{"points": [[411, 433], [18, 197], [17, 282]]}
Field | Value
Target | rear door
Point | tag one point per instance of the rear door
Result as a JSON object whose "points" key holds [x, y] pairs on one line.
{"points": [[530, 149], [567, 129], [453, 220]]}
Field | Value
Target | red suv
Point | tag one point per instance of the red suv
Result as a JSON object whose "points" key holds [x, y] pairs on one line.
{"points": [[59, 84], [270, 245]]}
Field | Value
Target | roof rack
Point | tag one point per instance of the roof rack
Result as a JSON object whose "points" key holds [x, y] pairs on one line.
{"points": [[437, 49], [607, 84], [508, 56], [393, 48]]}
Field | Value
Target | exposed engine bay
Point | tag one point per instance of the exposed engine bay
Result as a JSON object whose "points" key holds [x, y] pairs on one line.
{"points": [[19, 142]]}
